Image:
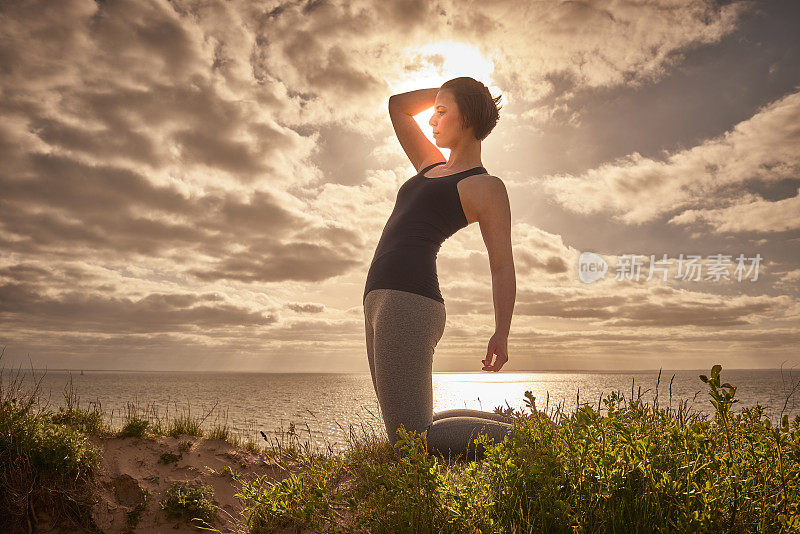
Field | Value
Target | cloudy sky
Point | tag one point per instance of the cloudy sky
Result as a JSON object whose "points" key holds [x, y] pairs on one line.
{"points": [[201, 185]]}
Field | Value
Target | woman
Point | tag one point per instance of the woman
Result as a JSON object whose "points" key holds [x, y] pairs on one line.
{"points": [[404, 311]]}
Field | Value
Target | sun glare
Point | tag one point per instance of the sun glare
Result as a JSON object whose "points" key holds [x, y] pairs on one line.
{"points": [[433, 64]]}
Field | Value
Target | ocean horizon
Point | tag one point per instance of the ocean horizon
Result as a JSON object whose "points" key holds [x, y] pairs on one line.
{"points": [[626, 371], [325, 407]]}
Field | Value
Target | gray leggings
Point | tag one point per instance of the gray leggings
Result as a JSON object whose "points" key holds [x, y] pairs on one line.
{"points": [[403, 329]]}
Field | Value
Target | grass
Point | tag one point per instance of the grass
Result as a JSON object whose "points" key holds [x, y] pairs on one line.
{"points": [[135, 427], [640, 467], [620, 465]]}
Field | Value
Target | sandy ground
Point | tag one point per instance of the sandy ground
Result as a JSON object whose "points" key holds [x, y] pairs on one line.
{"points": [[131, 465]]}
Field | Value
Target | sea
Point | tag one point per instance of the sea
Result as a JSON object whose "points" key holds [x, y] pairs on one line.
{"points": [[323, 411]]}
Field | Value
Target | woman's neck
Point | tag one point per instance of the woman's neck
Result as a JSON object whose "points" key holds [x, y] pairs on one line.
{"points": [[463, 156]]}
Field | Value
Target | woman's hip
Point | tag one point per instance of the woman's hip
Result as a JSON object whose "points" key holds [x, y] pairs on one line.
{"points": [[405, 313]]}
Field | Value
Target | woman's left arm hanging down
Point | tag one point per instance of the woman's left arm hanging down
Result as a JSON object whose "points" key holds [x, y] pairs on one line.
{"points": [[494, 217]]}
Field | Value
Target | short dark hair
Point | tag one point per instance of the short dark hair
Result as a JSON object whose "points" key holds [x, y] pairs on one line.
{"points": [[478, 108]]}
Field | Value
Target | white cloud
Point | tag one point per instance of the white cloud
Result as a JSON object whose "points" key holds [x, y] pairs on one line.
{"points": [[701, 183], [755, 216]]}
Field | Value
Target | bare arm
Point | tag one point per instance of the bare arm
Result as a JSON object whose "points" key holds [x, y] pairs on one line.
{"points": [[402, 108], [414, 102], [494, 216]]}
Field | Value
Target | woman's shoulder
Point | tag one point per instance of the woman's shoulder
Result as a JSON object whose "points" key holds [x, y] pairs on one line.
{"points": [[491, 179], [484, 182], [479, 191]]}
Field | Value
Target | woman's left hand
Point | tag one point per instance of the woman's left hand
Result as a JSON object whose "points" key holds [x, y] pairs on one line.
{"points": [[497, 345]]}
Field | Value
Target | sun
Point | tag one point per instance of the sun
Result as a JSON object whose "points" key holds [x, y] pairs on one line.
{"points": [[432, 64]]}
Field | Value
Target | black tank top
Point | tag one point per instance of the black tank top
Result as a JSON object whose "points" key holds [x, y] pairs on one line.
{"points": [[427, 211]]}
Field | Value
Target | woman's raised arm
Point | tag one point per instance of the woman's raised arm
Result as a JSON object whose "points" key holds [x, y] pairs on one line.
{"points": [[402, 108]]}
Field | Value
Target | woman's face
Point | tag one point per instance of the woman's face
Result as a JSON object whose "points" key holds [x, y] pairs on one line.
{"points": [[446, 120]]}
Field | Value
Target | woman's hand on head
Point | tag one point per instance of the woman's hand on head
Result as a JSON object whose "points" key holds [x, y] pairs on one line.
{"points": [[498, 346]]}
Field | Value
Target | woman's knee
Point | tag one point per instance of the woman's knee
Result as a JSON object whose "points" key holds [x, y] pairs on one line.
{"points": [[466, 412], [457, 435]]}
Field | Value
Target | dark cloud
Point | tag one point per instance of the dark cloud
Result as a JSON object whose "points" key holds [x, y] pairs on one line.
{"points": [[682, 313], [527, 262], [99, 144], [625, 307], [285, 262], [25, 308]]}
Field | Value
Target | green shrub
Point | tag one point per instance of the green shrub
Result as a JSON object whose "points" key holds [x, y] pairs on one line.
{"points": [[43, 464], [87, 421], [190, 501], [48, 448], [416, 493], [300, 500], [412, 494]]}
